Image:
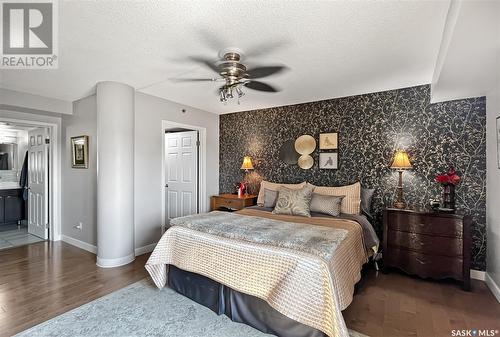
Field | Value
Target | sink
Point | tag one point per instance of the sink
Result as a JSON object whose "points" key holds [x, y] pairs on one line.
{"points": [[5, 185]]}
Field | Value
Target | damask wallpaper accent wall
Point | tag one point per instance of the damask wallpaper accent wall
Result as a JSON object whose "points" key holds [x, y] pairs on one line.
{"points": [[371, 128]]}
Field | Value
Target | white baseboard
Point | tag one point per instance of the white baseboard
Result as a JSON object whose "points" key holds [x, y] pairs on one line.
{"points": [[145, 249], [495, 289], [80, 244], [118, 262], [477, 274]]}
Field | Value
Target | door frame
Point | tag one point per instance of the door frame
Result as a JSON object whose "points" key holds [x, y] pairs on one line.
{"points": [[54, 126], [202, 164]]}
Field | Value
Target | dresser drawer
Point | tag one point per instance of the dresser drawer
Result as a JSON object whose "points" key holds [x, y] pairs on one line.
{"points": [[228, 203], [426, 244], [424, 265], [425, 224]]}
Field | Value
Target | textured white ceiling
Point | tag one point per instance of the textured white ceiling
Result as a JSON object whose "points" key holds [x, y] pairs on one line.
{"points": [[333, 48]]}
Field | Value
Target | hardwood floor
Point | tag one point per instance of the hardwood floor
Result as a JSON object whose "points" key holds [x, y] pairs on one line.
{"points": [[43, 280], [397, 305]]}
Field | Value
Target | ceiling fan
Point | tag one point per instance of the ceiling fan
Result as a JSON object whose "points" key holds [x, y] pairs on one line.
{"points": [[236, 75]]}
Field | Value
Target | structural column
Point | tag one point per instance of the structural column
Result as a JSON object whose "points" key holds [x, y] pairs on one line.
{"points": [[115, 174]]}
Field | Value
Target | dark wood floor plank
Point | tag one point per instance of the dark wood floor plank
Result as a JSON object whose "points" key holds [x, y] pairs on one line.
{"points": [[43, 280]]}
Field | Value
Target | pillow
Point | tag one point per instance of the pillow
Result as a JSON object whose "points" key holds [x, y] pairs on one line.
{"points": [[274, 187], [352, 200], [366, 201], [294, 202], [270, 198], [326, 204]]}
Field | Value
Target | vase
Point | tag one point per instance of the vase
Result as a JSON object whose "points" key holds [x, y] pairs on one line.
{"points": [[449, 196]]}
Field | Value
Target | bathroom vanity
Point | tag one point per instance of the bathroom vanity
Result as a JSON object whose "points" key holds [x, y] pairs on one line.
{"points": [[11, 204]]}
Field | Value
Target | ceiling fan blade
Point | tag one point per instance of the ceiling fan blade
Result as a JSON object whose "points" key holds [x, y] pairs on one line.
{"points": [[205, 61], [260, 72], [260, 86], [195, 79], [266, 48]]}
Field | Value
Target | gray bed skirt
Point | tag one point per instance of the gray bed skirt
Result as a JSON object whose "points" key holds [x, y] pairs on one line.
{"points": [[237, 306]]}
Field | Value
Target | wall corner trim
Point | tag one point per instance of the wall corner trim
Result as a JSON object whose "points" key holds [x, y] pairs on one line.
{"points": [[495, 289], [80, 244], [145, 249]]}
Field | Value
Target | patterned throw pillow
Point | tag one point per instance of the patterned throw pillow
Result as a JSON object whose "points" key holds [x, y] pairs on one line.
{"points": [[270, 198], [326, 204], [267, 185], [294, 202]]}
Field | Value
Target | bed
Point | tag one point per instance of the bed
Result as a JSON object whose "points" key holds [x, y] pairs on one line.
{"points": [[282, 274]]}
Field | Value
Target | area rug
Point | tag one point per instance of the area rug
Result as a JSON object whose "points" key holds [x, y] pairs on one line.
{"points": [[141, 310]]}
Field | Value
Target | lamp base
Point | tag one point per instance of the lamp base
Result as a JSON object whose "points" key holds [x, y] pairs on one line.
{"points": [[399, 205]]}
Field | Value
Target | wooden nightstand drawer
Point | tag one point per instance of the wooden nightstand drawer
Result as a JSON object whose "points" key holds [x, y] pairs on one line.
{"points": [[425, 265], [425, 224], [426, 244], [231, 201]]}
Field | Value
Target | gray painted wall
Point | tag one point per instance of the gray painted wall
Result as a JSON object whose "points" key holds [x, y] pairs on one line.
{"points": [[150, 111], [79, 186], [493, 182]]}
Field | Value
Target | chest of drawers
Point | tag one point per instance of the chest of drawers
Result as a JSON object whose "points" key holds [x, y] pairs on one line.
{"points": [[428, 244]]}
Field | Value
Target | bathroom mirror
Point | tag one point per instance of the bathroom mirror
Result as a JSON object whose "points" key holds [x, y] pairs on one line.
{"points": [[8, 157]]}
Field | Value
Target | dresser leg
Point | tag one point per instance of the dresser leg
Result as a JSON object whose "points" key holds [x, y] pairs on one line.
{"points": [[466, 284]]}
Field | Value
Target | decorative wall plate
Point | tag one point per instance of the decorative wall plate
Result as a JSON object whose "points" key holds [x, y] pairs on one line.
{"points": [[305, 162], [288, 154], [305, 144]]}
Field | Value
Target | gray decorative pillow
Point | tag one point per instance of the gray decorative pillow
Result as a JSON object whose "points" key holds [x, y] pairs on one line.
{"points": [[326, 204], [294, 202], [270, 198], [366, 201]]}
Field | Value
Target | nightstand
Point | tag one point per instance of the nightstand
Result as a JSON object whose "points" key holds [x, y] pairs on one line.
{"points": [[231, 201], [428, 244]]}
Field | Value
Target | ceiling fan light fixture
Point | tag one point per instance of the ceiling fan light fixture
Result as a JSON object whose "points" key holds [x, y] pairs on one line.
{"points": [[239, 92]]}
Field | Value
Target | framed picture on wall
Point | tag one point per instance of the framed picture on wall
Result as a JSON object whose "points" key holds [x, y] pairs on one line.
{"points": [[328, 141], [80, 152], [498, 141], [329, 160]]}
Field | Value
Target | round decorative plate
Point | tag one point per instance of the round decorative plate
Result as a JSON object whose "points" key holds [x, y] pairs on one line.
{"points": [[305, 144], [305, 162]]}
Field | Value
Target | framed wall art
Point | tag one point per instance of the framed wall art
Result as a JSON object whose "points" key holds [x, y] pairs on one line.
{"points": [[328, 141], [80, 152], [329, 160]]}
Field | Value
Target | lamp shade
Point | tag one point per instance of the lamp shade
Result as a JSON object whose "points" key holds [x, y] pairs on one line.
{"points": [[401, 161], [247, 163]]}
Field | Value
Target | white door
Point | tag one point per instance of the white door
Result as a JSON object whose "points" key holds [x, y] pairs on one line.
{"points": [[37, 183], [181, 174]]}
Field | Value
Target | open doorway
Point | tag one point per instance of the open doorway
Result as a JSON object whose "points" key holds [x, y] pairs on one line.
{"points": [[183, 167], [24, 184]]}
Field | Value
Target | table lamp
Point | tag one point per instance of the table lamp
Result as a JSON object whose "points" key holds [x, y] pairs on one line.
{"points": [[400, 162]]}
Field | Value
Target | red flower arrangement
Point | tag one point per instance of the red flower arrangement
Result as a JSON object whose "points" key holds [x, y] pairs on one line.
{"points": [[451, 177]]}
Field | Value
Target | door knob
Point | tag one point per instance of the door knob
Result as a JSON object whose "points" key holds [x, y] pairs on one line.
{"points": [[166, 185]]}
